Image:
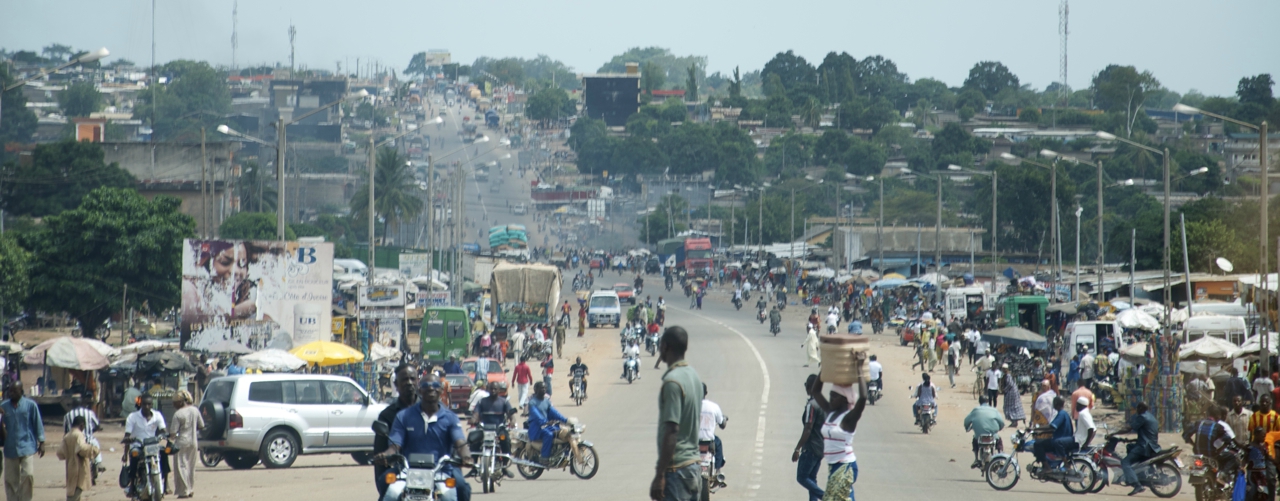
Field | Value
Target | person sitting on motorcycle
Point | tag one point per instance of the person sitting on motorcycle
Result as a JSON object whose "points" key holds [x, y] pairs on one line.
{"points": [[710, 418], [775, 317], [983, 420], [632, 351], [855, 326], [1261, 468], [544, 419], [875, 371], [926, 394], [413, 432], [142, 424], [833, 321], [579, 370], [1061, 426], [494, 410], [1147, 446], [1212, 437], [639, 283], [737, 296]]}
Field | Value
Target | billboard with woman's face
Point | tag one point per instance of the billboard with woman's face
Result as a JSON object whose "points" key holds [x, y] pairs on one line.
{"points": [[242, 296]]}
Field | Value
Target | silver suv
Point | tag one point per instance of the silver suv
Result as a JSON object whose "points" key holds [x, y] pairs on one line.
{"points": [[276, 417]]}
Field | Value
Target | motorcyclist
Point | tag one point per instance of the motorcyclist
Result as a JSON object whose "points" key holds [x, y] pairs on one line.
{"points": [[833, 320], [1061, 426], [496, 410], [925, 394], [775, 317], [579, 370], [406, 383], [639, 282], [762, 303], [737, 297], [983, 420], [632, 351], [813, 318], [781, 296], [710, 418], [544, 420], [142, 424], [875, 371], [1213, 437], [412, 434], [855, 326], [1147, 446]]}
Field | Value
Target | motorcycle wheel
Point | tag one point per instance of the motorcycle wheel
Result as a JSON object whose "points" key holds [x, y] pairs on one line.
{"points": [[210, 459], [578, 398], [157, 487], [1101, 482], [925, 424], [1001, 475], [587, 467], [1201, 494], [528, 472], [486, 478], [1088, 476], [1169, 472]]}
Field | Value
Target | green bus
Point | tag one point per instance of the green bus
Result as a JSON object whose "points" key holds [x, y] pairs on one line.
{"points": [[446, 332], [1027, 312]]}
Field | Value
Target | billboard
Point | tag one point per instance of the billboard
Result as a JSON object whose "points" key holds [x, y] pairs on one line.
{"points": [[241, 296], [415, 264], [381, 296]]}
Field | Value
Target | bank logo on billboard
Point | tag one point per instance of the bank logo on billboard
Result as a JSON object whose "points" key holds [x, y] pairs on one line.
{"points": [[242, 296]]}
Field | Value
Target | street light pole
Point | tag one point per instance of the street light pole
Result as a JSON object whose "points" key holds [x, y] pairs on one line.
{"points": [[880, 229], [1101, 292], [280, 145], [1075, 294], [372, 214]]}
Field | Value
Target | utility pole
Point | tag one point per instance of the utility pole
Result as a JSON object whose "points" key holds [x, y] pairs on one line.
{"points": [[204, 183], [1101, 291], [124, 300], [880, 229], [937, 245], [372, 214], [995, 232], [282, 139]]}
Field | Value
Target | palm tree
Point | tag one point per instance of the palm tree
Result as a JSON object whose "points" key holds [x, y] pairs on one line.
{"points": [[811, 113], [257, 189], [398, 196]]}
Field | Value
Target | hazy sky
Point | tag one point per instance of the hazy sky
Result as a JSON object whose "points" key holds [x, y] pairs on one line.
{"points": [[1204, 45]]}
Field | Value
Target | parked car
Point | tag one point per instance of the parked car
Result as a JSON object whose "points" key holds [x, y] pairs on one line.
{"points": [[460, 388], [274, 418]]}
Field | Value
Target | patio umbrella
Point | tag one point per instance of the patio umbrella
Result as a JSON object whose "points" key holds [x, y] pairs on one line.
{"points": [[326, 353], [1016, 336], [1208, 347], [165, 361], [149, 346], [888, 276], [1133, 318], [888, 283], [72, 353], [272, 360]]}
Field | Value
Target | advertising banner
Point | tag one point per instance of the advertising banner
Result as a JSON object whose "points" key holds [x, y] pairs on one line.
{"points": [[381, 296], [241, 296], [415, 265]]}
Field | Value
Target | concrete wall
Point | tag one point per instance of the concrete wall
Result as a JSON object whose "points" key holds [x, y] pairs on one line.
{"points": [[854, 242], [173, 162]]}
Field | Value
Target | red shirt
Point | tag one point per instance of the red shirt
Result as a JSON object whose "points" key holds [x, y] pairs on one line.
{"points": [[522, 373]]}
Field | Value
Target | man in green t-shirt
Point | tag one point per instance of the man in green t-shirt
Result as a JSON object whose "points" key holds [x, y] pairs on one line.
{"points": [[678, 476]]}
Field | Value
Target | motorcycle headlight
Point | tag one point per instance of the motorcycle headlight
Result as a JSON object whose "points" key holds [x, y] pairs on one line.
{"points": [[419, 479]]}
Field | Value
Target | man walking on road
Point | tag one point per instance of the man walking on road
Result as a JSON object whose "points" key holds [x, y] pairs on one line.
{"points": [[808, 454], [517, 344], [23, 438], [678, 475], [523, 377]]}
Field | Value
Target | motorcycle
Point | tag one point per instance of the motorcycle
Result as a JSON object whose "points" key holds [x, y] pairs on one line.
{"points": [[651, 344], [873, 392], [737, 303], [782, 304], [527, 455], [712, 478], [986, 451], [1161, 473], [488, 466], [1213, 481], [775, 327], [575, 389], [148, 480], [1076, 472], [631, 368], [928, 417], [761, 315], [420, 476]]}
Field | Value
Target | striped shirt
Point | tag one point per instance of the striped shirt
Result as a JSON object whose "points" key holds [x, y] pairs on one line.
{"points": [[837, 445], [1269, 421], [90, 421]]}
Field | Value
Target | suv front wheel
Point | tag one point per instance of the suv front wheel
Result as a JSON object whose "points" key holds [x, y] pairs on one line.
{"points": [[279, 449]]}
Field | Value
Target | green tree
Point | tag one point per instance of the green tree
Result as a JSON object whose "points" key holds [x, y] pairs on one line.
{"points": [[877, 77], [973, 98], [652, 77], [397, 196], [864, 158], [990, 77], [57, 52], [1123, 89], [1029, 115], [735, 86], [196, 96], [778, 110], [793, 71], [417, 65], [638, 155], [660, 219], [58, 177], [547, 104], [17, 123], [15, 284], [253, 226], [669, 63], [84, 257], [966, 112], [79, 99], [691, 84], [508, 70], [811, 112], [836, 77], [1207, 241]]}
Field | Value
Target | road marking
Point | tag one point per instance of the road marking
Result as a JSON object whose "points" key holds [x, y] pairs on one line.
{"points": [[764, 400]]}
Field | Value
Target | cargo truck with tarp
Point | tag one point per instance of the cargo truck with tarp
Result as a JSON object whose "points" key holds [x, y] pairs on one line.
{"points": [[524, 293]]}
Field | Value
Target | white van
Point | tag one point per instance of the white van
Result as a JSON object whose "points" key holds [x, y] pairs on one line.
{"points": [[1229, 328], [1087, 334], [965, 302], [604, 308]]}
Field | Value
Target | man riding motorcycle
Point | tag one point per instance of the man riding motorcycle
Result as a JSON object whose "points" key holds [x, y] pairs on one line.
{"points": [[639, 284], [579, 370], [926, 394], [983, 420], [142, 424], [710, 418], [431, 429], [632, 351], [544, 420], [775, 317], [1147, 446], [762, 303], [495, 410]]}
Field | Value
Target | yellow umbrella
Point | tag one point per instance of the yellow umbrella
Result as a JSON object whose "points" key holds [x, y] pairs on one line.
{"points": [[893, 275], [327, 353]]}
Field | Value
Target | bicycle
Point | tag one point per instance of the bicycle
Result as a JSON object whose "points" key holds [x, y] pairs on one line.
{"points": [[979, 383]]}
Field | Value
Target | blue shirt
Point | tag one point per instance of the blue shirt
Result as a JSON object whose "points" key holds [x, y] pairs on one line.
{"points": [[1062, 427], [234, 369], [24, 429], [452, 368], [541, 411], [414, 435], [855, 327], [1148, 430]]}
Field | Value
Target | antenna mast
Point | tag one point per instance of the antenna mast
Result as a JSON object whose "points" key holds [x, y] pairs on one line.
{"points": [[293, 33], [1063, 13], [235, 39]]}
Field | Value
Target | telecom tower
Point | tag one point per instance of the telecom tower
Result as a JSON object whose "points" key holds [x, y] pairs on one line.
{"points": [[235, 39], [293, 33], [1063, 12]]}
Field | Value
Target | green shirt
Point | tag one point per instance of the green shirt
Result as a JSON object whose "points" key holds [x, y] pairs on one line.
{"points": [[680, 402]]}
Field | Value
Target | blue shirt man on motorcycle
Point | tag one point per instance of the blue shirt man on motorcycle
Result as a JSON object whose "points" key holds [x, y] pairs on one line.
{"points": [[544, 419], [428, 428], [1147, 446]]}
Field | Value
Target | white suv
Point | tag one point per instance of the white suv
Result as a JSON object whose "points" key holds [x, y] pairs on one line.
{"points": [[276, 417], [604, 308]]}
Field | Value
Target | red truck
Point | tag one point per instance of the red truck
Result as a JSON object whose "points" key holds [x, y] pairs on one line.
{"points": [[697, 255]]}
